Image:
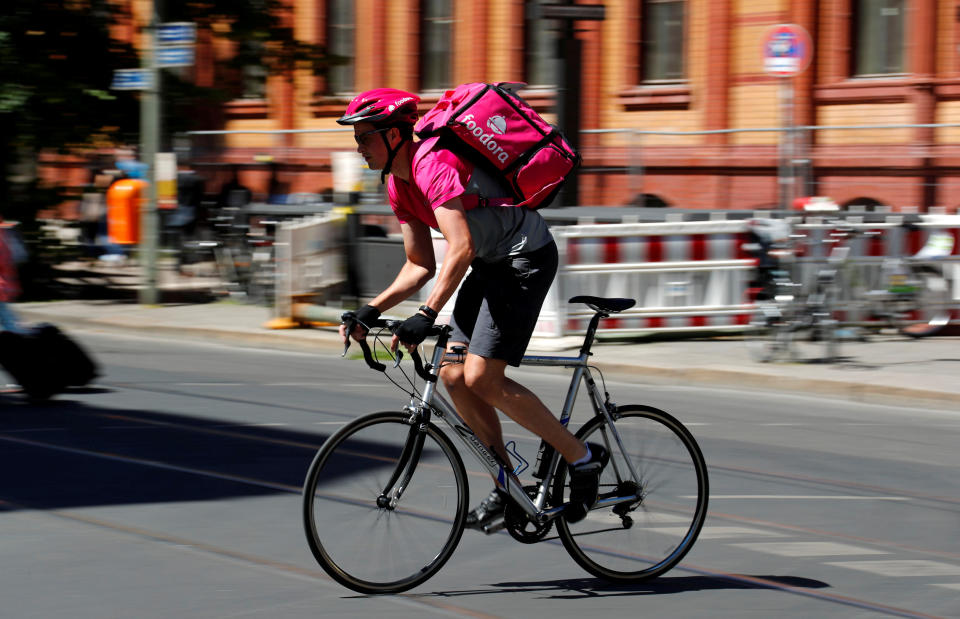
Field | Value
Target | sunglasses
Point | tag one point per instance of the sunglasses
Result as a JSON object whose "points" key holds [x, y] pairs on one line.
{"points": [[363, 138]]}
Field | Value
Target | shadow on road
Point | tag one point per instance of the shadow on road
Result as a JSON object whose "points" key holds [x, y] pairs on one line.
{"points": [[592, 587], [64, 454]]}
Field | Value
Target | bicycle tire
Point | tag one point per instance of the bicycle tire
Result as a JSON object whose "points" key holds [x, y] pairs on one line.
{"points": [[359, 542], [931, 305], [769, 335], [656, 533]]}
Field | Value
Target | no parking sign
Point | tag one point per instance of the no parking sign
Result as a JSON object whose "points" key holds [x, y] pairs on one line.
{"points": [[787, 49]]}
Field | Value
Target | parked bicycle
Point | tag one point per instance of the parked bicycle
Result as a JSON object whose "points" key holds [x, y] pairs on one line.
{"points": [[386, 497], [792, 321], [913, 296]]}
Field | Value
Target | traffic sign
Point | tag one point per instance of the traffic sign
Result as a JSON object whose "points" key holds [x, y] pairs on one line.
{"points": [[177, 33], [787, 50], [179, 56], [131, 79]]}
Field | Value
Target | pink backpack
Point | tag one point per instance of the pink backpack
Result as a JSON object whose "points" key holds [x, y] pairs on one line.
{"points": [[523, 149]]}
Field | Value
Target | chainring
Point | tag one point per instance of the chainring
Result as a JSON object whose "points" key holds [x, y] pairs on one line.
{"points": [[519, 525]]}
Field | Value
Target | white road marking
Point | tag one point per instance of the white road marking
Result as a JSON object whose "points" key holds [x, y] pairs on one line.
{"points": [[210, 384], [811, 497], [949, 586], [717, 532], [902, 567], [808, 549]]}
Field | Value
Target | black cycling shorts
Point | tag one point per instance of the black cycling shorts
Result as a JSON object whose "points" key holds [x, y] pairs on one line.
{"points": [[499, 303]]}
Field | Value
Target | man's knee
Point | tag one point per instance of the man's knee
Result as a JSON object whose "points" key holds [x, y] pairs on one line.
{"points": [[483, 378], [452, 375]]}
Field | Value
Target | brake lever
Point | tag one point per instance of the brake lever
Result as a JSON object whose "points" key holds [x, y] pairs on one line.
{"points": [[349, 321]]}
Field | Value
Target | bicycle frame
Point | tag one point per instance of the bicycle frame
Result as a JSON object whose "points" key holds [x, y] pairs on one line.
{"points": [[431, 402]]}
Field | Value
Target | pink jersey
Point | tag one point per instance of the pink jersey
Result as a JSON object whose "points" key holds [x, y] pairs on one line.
{"points": [[438, 177]]}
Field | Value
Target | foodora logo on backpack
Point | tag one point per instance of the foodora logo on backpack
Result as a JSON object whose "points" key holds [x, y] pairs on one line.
{"points": [[496, 124]]}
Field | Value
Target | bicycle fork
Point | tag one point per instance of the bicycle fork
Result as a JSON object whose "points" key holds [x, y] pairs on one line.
{"points": [[406, 464]]}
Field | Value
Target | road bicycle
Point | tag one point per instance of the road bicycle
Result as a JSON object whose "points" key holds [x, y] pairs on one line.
{"points": [[386, 497]]}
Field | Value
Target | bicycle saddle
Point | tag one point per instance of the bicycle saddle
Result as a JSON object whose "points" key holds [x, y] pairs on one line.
{"points": [[603, 304]]}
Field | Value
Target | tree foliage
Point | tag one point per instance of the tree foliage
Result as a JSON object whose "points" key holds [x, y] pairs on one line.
{"points": [[57, 59]]}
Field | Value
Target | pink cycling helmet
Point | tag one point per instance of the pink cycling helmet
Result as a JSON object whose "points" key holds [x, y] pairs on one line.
{"points": [[382, 106]]}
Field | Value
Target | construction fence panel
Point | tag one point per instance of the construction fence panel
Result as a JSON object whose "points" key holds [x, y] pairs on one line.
{"points": [[311, 261]]}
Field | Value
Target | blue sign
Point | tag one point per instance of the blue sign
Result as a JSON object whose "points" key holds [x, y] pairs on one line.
{"points": [[131, 79], [177, 33], [181, 56]]}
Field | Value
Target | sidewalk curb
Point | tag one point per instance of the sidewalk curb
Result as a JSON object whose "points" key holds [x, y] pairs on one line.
{"points": [[317, 340], [738, 379]]}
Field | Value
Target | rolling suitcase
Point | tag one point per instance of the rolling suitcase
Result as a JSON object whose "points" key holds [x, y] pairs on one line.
{"points": [[45, 361], [72, 364]]}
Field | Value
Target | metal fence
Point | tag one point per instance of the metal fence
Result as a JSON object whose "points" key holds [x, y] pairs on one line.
{"points": [[687, 276], [899, 165], [751, 167]]}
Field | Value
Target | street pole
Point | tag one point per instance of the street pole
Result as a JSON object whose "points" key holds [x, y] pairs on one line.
{"points": [[149, 139], [787, 173], [568, 102]]}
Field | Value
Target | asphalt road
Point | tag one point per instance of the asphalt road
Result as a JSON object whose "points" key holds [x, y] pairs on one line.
{"points": [[171, 489]]}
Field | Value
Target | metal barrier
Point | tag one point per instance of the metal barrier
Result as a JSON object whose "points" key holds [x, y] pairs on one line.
{"points": [[862, 270], [685, 276]]}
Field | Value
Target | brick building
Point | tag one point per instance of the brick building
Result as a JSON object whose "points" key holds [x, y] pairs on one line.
{"points": [[690, 69]]}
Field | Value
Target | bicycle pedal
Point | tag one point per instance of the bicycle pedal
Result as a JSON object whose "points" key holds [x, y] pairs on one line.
{"points": [[495, 526]]}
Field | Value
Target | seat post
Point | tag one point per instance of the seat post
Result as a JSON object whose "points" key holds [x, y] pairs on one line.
{"points": [[592, 332]]}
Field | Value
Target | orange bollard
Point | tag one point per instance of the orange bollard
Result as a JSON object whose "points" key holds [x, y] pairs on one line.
{"points": [[124, 198]]}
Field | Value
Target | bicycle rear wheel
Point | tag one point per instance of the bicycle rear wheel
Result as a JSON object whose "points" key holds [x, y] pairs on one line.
{"points": [[640, 540], [364, 535], [931, 305]]}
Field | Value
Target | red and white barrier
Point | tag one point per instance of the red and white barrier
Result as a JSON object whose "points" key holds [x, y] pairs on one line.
{"points": [[684, 275]]}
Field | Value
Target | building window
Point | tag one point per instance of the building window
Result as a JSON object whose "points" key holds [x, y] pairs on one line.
{"points": [[540, 48], [436, 41], [253, 74], [663, 41], [340, 43], [879, 37]]}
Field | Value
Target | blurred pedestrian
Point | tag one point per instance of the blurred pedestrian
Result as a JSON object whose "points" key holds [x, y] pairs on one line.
{"points": [[93, 211], [9, 281]]}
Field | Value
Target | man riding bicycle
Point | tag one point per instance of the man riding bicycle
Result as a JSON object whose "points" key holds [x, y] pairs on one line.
{"points": [[514, 260]]}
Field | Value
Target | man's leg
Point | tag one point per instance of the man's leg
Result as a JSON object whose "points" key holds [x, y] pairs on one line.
{"points": [[487, 382], [480, 416]]}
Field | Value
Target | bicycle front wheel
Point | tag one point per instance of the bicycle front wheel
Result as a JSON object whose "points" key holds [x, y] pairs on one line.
{"points": [[635, 541], [379, 516]]}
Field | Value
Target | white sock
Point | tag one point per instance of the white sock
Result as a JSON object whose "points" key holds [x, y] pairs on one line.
{"points": [[584, 459]]}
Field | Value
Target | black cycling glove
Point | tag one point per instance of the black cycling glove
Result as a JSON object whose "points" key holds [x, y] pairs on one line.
{"points": [[366, 316], [414, 330]]}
